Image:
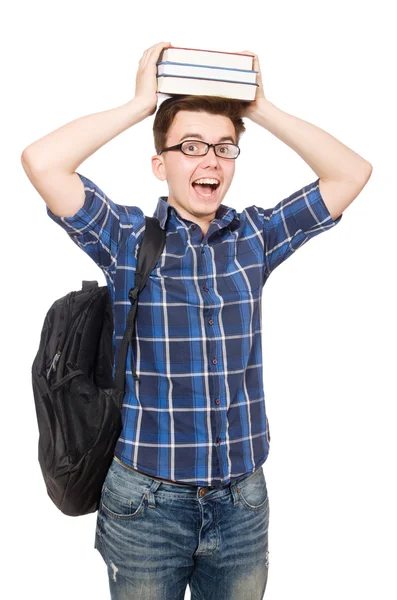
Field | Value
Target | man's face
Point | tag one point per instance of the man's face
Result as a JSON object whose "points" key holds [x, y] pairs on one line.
{"points": [[180, 171]]}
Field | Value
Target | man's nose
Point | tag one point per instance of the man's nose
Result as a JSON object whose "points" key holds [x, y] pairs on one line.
{"points": [[211, 158]]}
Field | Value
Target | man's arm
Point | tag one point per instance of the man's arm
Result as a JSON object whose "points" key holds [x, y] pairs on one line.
{"points": [[342, 172], [50, 162]]}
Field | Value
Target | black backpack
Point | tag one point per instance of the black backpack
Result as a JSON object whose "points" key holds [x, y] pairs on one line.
{"points": [[78, 406]]}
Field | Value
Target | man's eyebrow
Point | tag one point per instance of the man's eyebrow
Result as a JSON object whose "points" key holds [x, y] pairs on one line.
{"points": [[198, 136]]}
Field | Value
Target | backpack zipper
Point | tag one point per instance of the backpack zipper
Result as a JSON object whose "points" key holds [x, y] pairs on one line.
{"points": [[54, 363], [57, 356]]}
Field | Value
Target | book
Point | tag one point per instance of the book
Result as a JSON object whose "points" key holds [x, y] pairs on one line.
{"points": [[206, 72], [209, 58], [166, 84]]}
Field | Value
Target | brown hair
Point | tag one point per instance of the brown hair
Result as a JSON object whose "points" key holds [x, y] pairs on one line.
{"points": [[211, 104]]}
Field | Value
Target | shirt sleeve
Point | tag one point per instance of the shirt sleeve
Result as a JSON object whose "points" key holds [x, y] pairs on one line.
{"points": [[100, 227], [293, 221]]}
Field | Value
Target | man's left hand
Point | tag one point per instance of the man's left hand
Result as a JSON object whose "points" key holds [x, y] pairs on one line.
{"points": [[254, 105]]}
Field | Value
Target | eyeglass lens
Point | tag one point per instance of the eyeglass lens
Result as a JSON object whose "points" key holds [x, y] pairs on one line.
{"points": [[200, 148]]}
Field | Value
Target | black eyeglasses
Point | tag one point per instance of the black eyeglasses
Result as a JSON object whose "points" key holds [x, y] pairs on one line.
{"points": [[198, 148]]}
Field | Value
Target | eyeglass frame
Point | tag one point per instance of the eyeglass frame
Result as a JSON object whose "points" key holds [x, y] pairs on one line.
{"points": [[179, 147]]}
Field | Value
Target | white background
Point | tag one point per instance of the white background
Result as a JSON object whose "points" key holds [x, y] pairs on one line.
{"points": [[329, 311]]}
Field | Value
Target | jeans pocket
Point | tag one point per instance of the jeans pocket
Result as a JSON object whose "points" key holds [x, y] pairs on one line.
{"points": [[122, 505], [253, 492]]}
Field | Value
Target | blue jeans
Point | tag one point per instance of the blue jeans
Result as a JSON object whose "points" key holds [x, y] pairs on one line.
{"points": [[157, 538]]}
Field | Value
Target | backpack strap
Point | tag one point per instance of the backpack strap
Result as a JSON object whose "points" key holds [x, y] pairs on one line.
{"points": [[87, 285], [148, 254]]}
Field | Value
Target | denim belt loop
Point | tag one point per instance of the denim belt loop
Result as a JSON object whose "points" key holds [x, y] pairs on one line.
{"points": [[235, 491], [150, 494]]}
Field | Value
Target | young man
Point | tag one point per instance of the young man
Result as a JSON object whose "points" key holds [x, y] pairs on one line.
{"points": [[185, 500]]}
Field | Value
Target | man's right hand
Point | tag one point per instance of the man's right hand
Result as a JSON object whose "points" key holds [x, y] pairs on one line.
{"points": [[51, 162], [146, 78]]}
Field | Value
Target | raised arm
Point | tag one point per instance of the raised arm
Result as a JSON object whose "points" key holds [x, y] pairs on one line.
{"points": [[50, 162], [342, 172]]}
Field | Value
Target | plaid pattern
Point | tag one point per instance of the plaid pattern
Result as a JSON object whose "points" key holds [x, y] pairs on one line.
{"points": [[197, 415]]}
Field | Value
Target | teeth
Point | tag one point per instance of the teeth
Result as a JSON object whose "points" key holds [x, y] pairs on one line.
{"points": [[211, 181]]}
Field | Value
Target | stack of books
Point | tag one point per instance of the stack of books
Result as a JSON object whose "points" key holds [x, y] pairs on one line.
{"points": [[206, 73]]}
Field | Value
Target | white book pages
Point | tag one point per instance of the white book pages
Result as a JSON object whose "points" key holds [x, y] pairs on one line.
{"points": [[206, 87], [206, 72], [207, 58]]}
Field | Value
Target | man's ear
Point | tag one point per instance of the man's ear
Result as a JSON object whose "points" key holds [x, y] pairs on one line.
{"points": [[158, 167]]}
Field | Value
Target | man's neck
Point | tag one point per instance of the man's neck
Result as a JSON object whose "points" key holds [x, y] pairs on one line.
{"points": [[204, 225]]}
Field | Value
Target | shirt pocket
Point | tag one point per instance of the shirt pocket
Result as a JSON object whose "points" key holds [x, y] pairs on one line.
{"points": [[243, 269]]}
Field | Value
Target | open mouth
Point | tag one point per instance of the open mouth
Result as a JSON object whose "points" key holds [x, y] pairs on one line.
{"points": [[206, 188]]}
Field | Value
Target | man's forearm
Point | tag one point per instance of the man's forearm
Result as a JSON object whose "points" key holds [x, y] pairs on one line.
{"points": [[329, 158], [70, 145]]}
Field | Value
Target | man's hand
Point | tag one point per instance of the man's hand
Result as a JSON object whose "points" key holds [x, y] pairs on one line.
{"points": [[342, 172], [146, 78], [252, 107]]}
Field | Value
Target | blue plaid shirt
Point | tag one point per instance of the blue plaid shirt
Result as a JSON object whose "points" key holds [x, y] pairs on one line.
{"points": [[197, 414]]}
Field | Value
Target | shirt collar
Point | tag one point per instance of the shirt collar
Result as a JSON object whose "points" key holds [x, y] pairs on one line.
{"points": [[224, 214]]}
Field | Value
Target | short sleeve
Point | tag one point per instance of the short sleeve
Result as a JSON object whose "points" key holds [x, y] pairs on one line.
{"points": [[293, 221], [100, 227]]}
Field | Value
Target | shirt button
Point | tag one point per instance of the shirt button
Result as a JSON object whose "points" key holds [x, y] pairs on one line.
{"points": [[217, 401], [205, 288], [193, 227], [218, 440], [202, 250], [211, 321], [214, 361]]}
